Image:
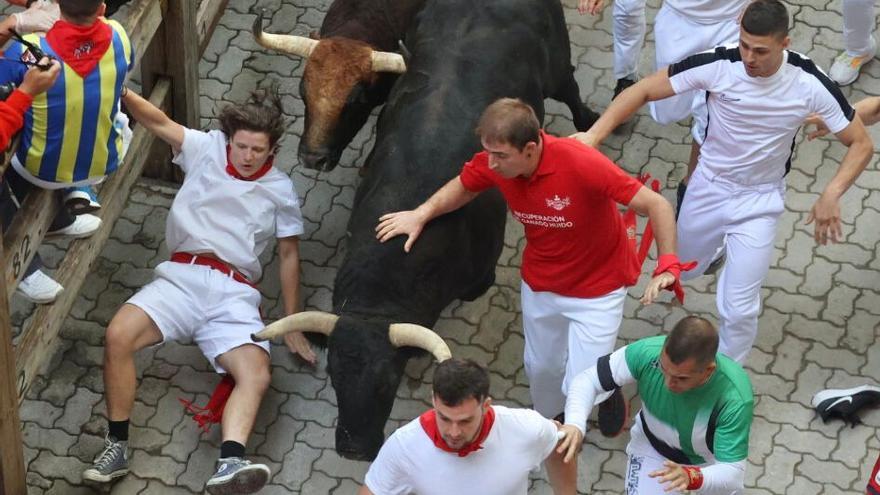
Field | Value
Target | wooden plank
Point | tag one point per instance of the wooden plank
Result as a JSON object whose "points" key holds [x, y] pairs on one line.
{"points": [[144, 19], [13, 478], [210, 12], [182, 55], [47, 320], [25, 234]]}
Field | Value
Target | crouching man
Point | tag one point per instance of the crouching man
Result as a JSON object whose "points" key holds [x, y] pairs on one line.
{"points": [[231, 203], [692, 432]]}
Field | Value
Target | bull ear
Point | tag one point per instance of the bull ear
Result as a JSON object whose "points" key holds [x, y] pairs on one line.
{"points": [[315, 35]]}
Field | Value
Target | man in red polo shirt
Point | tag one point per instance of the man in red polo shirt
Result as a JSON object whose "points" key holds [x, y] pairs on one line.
{"points": [[578, 259]]}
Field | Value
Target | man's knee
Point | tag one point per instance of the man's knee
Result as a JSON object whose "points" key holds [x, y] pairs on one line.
{"points": [[250, 368]]}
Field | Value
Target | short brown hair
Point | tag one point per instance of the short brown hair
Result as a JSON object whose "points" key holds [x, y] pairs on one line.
{"points": [[263, 112], [457, 380], [692, 337], [511, 121], [79, 10]]}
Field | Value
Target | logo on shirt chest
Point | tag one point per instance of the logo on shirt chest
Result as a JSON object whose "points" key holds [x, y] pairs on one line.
{"points": [[727, 98], [558, 203]]}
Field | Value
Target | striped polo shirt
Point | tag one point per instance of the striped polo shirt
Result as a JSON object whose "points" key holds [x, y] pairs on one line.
{"points": [[68, 134]]}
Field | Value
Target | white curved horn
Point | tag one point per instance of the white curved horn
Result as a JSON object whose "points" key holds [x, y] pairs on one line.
{"points": [[307, 321], [388, 62], [294, 45], [410, 334]]}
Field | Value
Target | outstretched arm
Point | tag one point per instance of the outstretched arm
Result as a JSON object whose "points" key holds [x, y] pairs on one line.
{"points": [[826, 211], [155, 120], [652, 88], [450, 197], [288, 272], [662, 218], [868, 110]]}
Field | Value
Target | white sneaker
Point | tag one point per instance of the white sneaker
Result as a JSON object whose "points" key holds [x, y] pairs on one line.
{"points": [[39, 288], [84, 226], [846, 67]]}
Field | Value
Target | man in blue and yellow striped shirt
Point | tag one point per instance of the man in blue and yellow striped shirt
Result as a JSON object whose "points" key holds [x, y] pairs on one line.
{"points": [[69, 138]]}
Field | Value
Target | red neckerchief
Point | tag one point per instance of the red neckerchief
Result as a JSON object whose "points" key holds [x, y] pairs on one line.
{"points": [[80, 47], [230, 168], [429, 424], [213, 411]]}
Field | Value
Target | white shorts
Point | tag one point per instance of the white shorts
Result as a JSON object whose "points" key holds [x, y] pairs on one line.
{"points": [[197, 303], [677, 38]]}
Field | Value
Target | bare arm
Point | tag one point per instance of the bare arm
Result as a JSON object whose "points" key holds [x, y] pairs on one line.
{"points": [[662, 218], [869, 110], [364, 491], [155, 120], [826, 210], [288, 272], [652, 88], [450, 197]]}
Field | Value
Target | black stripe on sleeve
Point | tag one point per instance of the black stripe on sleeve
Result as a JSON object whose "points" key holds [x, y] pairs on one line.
{"points": [[603, 369], [710, 430], [719, 53], [808, 66]]}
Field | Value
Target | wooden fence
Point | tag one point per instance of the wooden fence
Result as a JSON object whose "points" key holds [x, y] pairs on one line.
{"points": [[169, 37]]}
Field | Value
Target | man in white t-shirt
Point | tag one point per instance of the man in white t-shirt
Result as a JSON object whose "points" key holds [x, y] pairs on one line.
{"points": [[758, 97], [231, 203], [467, 445]]}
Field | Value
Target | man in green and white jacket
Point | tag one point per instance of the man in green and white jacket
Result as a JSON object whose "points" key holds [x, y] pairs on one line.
{"points": [[692, 433]]}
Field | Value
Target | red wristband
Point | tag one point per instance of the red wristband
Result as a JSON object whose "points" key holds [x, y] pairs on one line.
{"points": [[670, 263], [695, 477]]}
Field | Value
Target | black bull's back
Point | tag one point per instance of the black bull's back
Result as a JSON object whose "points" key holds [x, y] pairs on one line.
{"points": [[465, 54]]}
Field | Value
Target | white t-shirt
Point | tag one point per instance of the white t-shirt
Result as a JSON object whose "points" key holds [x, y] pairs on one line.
{"points": [[232, 218], [753, 121], [410, 463], [708, 11]]}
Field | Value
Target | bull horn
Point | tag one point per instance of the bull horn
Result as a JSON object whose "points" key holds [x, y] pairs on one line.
{"points": [[410, 334], [388, 62], [294, 45], [307, 321]]}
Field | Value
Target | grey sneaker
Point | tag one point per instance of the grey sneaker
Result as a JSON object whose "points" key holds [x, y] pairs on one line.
{"points": [[237, 475], [110, 464]]}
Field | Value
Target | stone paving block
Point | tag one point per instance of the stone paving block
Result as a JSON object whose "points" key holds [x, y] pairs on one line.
{"points": [[60, 467], [297, 466]]}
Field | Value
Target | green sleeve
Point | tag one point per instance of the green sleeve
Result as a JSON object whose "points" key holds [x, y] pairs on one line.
{"points": [[642, 354], [731, 442]]}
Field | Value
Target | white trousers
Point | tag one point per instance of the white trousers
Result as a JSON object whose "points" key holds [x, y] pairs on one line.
{"points": [[741, 219], [676, 38], [858, 24], [628, 28], [637, 482], [565, 336]]}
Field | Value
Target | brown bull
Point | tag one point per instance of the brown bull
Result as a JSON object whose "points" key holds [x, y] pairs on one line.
{"points": [[348, 72]]}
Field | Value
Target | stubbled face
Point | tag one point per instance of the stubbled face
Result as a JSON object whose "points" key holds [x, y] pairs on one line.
{"points": [[509, 162], [762, 55], [684, 376], [460, 424], [248, 151], [365, 371], [336, 88]]}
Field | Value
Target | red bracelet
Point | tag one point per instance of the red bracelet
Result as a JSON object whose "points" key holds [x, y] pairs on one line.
{"points": [[695, 477]]}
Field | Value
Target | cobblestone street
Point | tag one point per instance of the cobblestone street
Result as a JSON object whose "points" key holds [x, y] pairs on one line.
{"points": [[818, 328]]}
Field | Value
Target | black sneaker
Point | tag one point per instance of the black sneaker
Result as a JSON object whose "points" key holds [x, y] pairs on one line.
{"points": [[613, 414], [236, 475], [845, 403], [110, 464], [622, 84]]}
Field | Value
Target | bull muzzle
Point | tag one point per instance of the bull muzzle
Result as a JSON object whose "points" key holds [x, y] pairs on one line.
{"points": [[303, 47], [400, 334]]}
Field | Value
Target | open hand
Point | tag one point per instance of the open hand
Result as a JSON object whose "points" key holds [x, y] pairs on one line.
{"points": [[820, 128], [299, 344], [826, 214], [407, 223], [591, 6], [672, 476], [571, 443], [655, 286]]}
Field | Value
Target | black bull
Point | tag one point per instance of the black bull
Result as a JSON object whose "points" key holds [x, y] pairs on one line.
{"points": [[465, 54]]}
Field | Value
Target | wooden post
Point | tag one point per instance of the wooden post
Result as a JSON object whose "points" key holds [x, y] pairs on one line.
{"points": [[13, 478], [183, 55]]}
